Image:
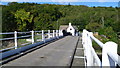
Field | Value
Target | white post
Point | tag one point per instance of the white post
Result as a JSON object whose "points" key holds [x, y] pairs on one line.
{"points": [[89, 52], [85, 42], [91, 62], [43, 38], [48, 34], [106, 60], [61, 34], [53, 33], [32, 37], [15, 35], [83, 36], [57, 33]]}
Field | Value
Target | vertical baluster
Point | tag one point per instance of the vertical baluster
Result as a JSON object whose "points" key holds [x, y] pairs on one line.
{"points": [[32, 37], [43, 38], [48, 34], [15, 39], [57, 33], [89, 45], [53, 33]]}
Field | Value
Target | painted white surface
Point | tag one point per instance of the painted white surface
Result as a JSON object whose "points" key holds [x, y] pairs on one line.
{"points": [[71, 29], [109, 52]]}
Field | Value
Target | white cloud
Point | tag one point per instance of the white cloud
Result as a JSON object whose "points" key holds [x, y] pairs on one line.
{"points": [[59, 0]]}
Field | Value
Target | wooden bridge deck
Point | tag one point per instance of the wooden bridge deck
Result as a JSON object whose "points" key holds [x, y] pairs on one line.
{"points": [[58, 53]]}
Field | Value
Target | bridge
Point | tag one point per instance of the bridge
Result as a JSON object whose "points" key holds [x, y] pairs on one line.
{"points": [[54, 49]]}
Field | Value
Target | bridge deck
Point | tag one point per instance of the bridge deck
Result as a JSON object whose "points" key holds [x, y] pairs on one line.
{"points": [[58, 53]]}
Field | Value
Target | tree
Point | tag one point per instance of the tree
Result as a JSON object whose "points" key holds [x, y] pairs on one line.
{"points": [[93, 27], [8, 20], [109, 33], [23, 19]]}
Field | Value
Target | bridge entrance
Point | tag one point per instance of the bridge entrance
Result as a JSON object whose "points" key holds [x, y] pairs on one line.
{"points": [[65, 33]]}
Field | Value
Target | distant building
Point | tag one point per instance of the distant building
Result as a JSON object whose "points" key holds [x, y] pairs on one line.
{"points": [[69, 30]]}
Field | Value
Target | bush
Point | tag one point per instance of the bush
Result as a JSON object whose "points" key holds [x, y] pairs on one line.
{"points": [[93, 27], [109, 33]]}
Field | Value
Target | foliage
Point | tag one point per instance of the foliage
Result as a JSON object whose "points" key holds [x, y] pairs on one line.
{"points": [[109, 33], [32, 16], [23, 19], [93, 27]]}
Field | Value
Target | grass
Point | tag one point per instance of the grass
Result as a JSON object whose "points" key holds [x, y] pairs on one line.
{"points": [[97, 48], [38, 37], [22, 41]]}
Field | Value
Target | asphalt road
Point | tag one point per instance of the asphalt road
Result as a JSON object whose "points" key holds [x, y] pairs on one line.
{"points": [[58, 53]]}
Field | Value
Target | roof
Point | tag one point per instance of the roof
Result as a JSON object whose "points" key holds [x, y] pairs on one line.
{"points": [[75, 27], [64, 27]]}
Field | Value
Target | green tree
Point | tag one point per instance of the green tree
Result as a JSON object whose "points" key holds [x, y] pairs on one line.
{"points": [[93, 27], [23, 19], [109, 33], [8, 20]]}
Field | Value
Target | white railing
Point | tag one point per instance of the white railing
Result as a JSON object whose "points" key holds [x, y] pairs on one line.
{"points": [[110, 58], [30, 35]]}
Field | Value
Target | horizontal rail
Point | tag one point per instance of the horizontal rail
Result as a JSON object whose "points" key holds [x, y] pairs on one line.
{"points": [[8, 33], [47, 35], [37, 31], [6, 49], [109, 50], [97, 41], [23, 32], [7, 39], [115, 57], [24, 36], [21, 49]]}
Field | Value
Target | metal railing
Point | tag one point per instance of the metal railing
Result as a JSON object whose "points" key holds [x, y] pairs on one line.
{"points": [[110, 58], [30, 35]]}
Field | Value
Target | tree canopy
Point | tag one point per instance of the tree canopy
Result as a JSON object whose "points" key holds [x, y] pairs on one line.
{"points": [[32, 16]]}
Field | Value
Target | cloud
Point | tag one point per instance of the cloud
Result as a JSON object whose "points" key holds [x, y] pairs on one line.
{"points": [[59, 0]]}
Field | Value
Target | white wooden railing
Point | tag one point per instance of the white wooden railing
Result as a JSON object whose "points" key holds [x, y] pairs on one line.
{"points": [[45, 34], [110, 58]]}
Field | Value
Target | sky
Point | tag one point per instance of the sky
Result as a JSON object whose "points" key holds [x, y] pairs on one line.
{"points": [[104, 3]]}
